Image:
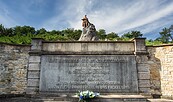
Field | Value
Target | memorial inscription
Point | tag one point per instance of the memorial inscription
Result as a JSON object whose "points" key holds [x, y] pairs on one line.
{"points": [[104, 73]]}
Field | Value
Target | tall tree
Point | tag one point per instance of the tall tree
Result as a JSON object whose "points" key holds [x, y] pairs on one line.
{"points": [[165, 35], [171, 32], [2, 30]]}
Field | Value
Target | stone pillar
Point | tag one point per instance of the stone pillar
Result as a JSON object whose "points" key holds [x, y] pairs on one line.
{"points": [[33, 77], [142, 66]]}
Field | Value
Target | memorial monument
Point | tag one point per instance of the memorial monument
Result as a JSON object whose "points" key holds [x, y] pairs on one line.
{"points": [[101, 66], [89, 31], [91, 65]]}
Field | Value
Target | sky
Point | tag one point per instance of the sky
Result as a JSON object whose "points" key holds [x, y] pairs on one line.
{"points": [[119, 16]]}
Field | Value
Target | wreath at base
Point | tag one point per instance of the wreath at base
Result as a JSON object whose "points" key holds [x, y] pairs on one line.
{"points": [[85, 95]]}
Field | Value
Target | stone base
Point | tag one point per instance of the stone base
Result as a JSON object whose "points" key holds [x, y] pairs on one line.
{"points": [[118, 98], [101, 98]]}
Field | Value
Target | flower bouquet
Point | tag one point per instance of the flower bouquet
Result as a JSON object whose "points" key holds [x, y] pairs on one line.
{"points": [[85, 95]]}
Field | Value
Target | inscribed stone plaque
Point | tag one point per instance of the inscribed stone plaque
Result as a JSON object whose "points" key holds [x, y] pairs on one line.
{"points": [[103, 73]]}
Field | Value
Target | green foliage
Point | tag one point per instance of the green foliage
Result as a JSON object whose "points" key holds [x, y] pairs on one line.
{"points": [[171, 33], [151, 42], [101, 34], [165, 35], [24, 34], [71, 34], [16, 39], [18, 30], [112, 36], [132, 34], [41, 31]]}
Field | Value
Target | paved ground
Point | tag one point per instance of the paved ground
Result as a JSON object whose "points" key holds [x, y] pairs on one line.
{"points": [[64, 98], [24, 99], [160, 100]]}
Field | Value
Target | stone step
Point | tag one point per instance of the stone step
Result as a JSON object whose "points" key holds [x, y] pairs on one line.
{"points": [[101, 98], [160, 100], [68, 98]]}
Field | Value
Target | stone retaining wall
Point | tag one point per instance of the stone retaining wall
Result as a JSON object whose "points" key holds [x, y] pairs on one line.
{"points": [[161, 70], [13, 68], [16, 66]]}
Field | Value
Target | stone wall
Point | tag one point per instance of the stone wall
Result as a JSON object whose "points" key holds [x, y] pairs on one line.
{"points": [[16, 66], [13, 68], [161, 70]]}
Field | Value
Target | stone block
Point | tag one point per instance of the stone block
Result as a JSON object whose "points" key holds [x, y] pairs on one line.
{"points": [[139, 44], [84, 47], [33, 82], [51, 47], [63, 46], [36, 44], [142, 59], [34, 66], [110, 46], [32, 90], [144, 83], [124, 47], [94, 47], [77, 47], [143, 67], [34, 59], [144, 90], [69, 46], [33, 74], [143, 75]]}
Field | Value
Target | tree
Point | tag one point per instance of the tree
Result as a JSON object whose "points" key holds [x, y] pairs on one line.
{"points": [[2, 30], [112, 36], [165, 35], [41, 31], [171, 32], [76, 34], [71, 33], [18, 30], [132, 34], [101, 34]]}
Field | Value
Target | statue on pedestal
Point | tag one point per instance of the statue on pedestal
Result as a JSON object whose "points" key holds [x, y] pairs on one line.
{"points": [[89, 31]]}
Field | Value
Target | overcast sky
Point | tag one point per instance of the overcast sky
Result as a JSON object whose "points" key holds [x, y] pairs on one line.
{"points": [[119, 16]]}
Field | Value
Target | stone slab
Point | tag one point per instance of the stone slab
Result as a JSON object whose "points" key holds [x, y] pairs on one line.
{"points": [[33, 82], [32, 90], [144, 90], [34, 59], [143, 67], [144, 83], [143, 75], [33, 74], [34, 66], [103, 73], [89, 46]]}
